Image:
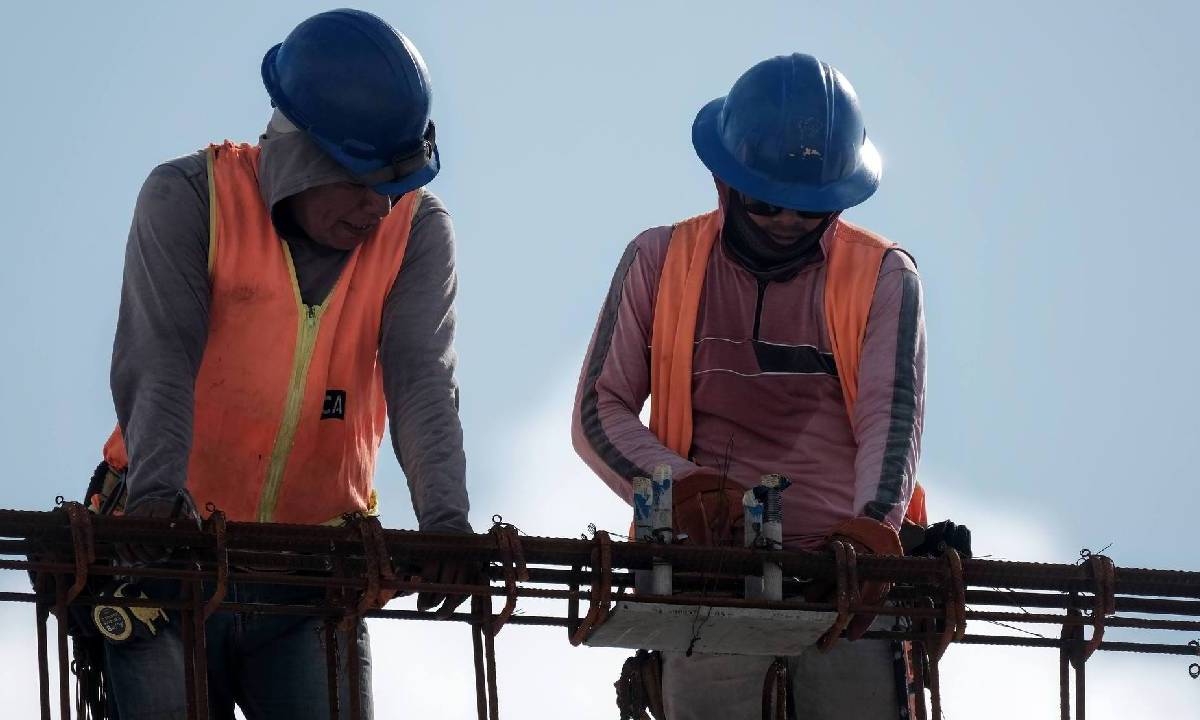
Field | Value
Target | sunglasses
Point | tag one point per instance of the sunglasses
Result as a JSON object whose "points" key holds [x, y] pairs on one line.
{"points": [[758, 207]]}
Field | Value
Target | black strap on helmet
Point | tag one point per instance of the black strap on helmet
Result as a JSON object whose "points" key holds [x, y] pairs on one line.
{"points": [[404, 164]]}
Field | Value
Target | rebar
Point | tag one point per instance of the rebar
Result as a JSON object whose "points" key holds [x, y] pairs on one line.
{"points": [[362, 565]]}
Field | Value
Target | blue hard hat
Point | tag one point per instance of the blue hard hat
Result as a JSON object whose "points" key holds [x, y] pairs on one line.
{"points": [[361, 91], [790, 133]]}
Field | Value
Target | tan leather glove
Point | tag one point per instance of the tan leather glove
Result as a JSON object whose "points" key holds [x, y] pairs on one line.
{"points": [[707, 507], [868, 536]]}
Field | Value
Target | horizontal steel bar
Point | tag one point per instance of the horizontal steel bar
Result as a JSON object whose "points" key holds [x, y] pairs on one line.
{"points": [[53, 528], [1018, 641]]}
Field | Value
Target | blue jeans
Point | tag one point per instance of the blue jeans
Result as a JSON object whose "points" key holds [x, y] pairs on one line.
{"points": [[272, 666]]}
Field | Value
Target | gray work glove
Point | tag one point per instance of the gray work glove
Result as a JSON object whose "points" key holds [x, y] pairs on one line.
{"points": [[450, 572], [181, 508]]}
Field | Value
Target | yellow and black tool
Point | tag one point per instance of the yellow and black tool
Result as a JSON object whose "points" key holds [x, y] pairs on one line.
{"points": [[120, 624]]}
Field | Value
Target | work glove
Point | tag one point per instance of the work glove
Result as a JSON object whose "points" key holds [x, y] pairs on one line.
{"points": [[940, 536], [451, 572], [707, 508], [868, 536], [447, 571], [181, 509]]}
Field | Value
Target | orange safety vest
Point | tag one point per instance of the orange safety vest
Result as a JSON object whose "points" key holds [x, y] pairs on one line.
{"points": [[854, 259], [289, 404]]}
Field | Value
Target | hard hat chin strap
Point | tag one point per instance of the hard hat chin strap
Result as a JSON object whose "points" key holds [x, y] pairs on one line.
{"points": [[404, 164]]}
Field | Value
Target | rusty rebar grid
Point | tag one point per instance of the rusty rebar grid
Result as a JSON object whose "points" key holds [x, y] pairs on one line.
{"points": [[363, 564]]}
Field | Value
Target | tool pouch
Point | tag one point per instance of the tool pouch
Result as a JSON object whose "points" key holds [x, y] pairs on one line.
{"points": [[120, 623], [105, 495], [639, 689]]}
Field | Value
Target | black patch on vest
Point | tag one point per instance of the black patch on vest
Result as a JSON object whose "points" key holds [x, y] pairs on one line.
{"points": [[335, 405]]}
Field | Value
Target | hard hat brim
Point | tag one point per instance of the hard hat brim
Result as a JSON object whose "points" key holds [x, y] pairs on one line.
{"points": [[359, 167], [845, 193], [408, 183], [354, 165]]}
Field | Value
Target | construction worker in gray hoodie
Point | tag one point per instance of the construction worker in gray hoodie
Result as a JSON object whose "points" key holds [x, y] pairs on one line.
{"points": [[280, 303]]}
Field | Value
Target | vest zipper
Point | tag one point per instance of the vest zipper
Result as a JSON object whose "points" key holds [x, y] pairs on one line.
{"points": [[758, 305], [306, 340]]}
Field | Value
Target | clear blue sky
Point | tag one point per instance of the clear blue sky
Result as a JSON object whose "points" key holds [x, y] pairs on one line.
{"points": [[1038, 159]]}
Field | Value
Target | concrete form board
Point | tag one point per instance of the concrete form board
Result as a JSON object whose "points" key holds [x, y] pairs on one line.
{"points": [[718, 630]]}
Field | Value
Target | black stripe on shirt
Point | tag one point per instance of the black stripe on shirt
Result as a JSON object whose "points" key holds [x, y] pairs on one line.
{"points": [[589, 411], [902, 430]]}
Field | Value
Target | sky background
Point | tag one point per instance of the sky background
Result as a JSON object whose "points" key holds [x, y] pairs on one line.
{"points": [[1038, 158]]}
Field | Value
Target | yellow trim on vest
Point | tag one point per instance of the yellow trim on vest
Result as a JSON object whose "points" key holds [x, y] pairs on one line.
{"points": [[371, 511], [212, 213], [309, 325]]}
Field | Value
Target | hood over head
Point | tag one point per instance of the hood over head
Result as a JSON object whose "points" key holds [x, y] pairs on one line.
{"points": [[291, 163]]}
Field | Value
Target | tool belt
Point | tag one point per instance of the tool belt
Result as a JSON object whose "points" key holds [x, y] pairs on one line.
{"points": [[90, 627]]}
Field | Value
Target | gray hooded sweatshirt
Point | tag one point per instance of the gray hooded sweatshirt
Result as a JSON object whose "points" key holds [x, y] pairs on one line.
{"points": [[162, 328]]}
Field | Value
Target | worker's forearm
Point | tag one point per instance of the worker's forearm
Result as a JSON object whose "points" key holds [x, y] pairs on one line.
{"points": [[889, 413], [418, 360], [162, 327], [615, 380]]}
